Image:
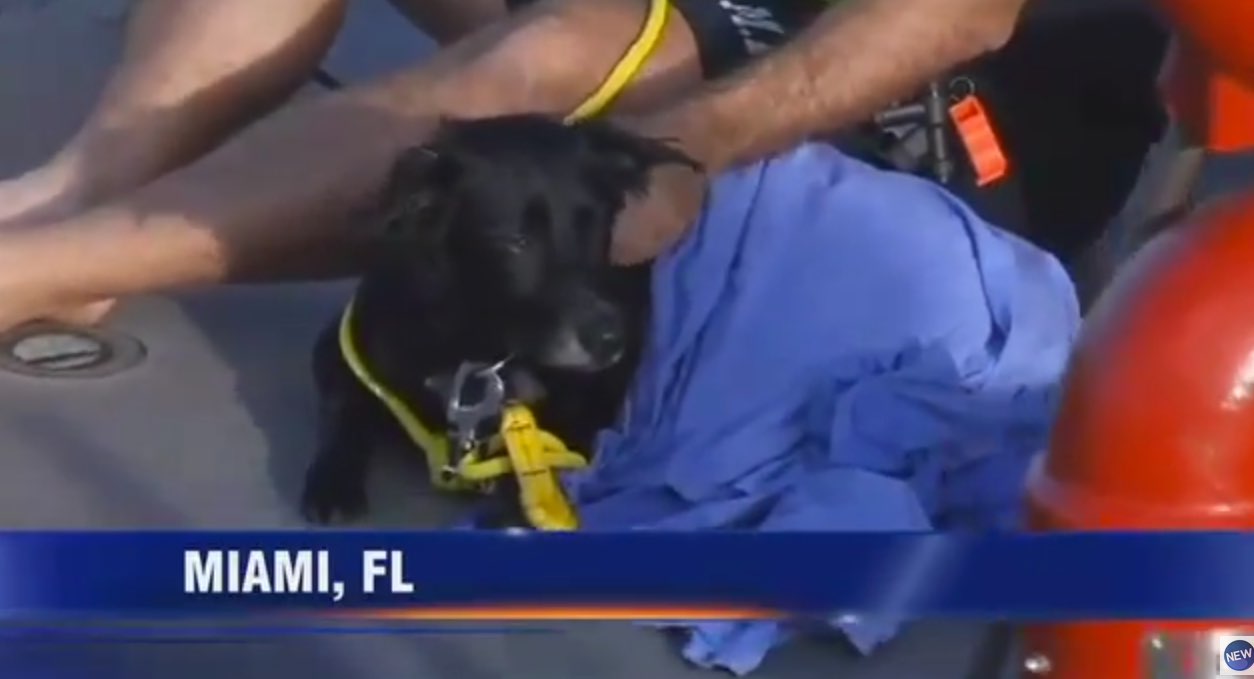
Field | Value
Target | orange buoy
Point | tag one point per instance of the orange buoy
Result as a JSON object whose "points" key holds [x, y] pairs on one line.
{"points": [[1208, 84], [1213, 109], [1221, 29], [1156, 426]]}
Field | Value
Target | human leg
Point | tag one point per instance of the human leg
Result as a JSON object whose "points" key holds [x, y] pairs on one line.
{"points": [[275, 200], [177, 91]]}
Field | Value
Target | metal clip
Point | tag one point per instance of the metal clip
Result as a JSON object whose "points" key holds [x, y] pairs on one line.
{"points": [[467, 418]]}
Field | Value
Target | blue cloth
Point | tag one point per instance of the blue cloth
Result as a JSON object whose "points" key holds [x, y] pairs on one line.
{"points": [[834, 348]]}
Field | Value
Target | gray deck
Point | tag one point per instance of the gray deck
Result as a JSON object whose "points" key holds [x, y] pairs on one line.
{"points": [[214, 430]]}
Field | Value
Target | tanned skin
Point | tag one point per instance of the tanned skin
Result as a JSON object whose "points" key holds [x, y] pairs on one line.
{"points": [[855, 59], [278, 200]]}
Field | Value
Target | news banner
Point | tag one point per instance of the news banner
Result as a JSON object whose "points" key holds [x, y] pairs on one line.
{"points": [[312, 577]]}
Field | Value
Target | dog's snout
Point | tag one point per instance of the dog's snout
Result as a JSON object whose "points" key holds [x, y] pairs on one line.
{"points": [[603, 336], [589, 334]]}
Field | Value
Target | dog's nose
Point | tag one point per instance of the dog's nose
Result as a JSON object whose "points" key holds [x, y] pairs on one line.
{"points": [[603, 337]]}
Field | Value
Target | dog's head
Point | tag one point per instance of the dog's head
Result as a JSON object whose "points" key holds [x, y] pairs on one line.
{"points": [[511, 217]]}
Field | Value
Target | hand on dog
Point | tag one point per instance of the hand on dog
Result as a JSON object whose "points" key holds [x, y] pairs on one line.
{"points": [[651, 224]]}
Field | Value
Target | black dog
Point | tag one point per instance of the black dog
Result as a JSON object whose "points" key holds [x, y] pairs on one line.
{"points": [[494, 247]]}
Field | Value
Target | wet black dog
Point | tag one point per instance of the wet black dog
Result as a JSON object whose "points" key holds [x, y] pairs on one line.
{"points": [[495, 245]]}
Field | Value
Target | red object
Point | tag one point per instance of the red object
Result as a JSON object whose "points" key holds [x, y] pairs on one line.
{"points": [[1156, 426], [988, 158], [1215, 109], [1209, 83], [1220, 29]]}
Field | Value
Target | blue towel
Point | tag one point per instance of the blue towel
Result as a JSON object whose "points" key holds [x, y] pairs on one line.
{"points": [[834, 348]]}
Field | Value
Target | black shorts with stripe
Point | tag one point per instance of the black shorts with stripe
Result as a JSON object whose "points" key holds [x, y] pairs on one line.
{"points": [[730, 32]]}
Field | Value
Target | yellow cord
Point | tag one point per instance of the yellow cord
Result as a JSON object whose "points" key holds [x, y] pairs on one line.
{"points": [[531, 454], [474, 469], [629, 66], [435, 447]]}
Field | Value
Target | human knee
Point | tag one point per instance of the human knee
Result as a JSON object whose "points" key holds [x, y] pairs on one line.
{"points": [[725, 35], [548, 47], [543, 57]]}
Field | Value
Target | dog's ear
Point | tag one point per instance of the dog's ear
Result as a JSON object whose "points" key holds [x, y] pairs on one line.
{"points": [[410, 205], [624, 158]]}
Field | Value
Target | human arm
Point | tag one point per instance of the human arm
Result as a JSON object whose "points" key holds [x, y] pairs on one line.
{"points": [[857, 57]]}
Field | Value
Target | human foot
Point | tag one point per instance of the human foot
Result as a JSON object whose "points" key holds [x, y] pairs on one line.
{"points": [[30, 201], [18, 307], [28, 294]]}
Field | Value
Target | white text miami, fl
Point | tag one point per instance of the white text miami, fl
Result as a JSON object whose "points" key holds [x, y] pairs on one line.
{"points": [[286, 571]]}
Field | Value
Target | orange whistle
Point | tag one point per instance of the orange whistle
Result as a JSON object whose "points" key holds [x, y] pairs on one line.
{"points": [[988, 159]]}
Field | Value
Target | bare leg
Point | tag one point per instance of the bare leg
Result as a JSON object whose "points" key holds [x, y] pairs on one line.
{"points": [[192, 72], [275, 201]]}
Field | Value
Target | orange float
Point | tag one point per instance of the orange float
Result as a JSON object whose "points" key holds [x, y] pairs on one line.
{"points": [[1220, 29], [1209, 81], [1156, 426], [1158, 406], [1213, 108]]}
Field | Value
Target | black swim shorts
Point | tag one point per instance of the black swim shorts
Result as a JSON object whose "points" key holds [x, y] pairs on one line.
{"points": [[730, 32]]}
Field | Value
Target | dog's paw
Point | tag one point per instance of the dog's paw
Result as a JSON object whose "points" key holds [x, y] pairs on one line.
{"points": [[331, 495]]}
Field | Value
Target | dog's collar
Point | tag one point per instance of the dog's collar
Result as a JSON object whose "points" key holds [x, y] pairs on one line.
{"points": [[518, 448]]}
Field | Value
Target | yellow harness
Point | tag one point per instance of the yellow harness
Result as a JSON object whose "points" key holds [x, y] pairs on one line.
{"points": [[533, 456]]}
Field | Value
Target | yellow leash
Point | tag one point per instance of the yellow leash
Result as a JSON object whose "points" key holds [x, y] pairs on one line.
{"points": [[629, 65], [531, 454], [476, 468]]}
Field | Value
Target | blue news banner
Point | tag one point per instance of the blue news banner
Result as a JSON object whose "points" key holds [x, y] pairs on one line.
{"points": [[391, 575]]}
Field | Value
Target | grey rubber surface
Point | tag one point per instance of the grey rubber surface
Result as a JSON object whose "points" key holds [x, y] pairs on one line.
{"points": [[214, 429]]}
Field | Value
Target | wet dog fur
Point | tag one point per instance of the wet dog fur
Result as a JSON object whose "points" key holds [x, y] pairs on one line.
{"points": [[494, 242]]}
